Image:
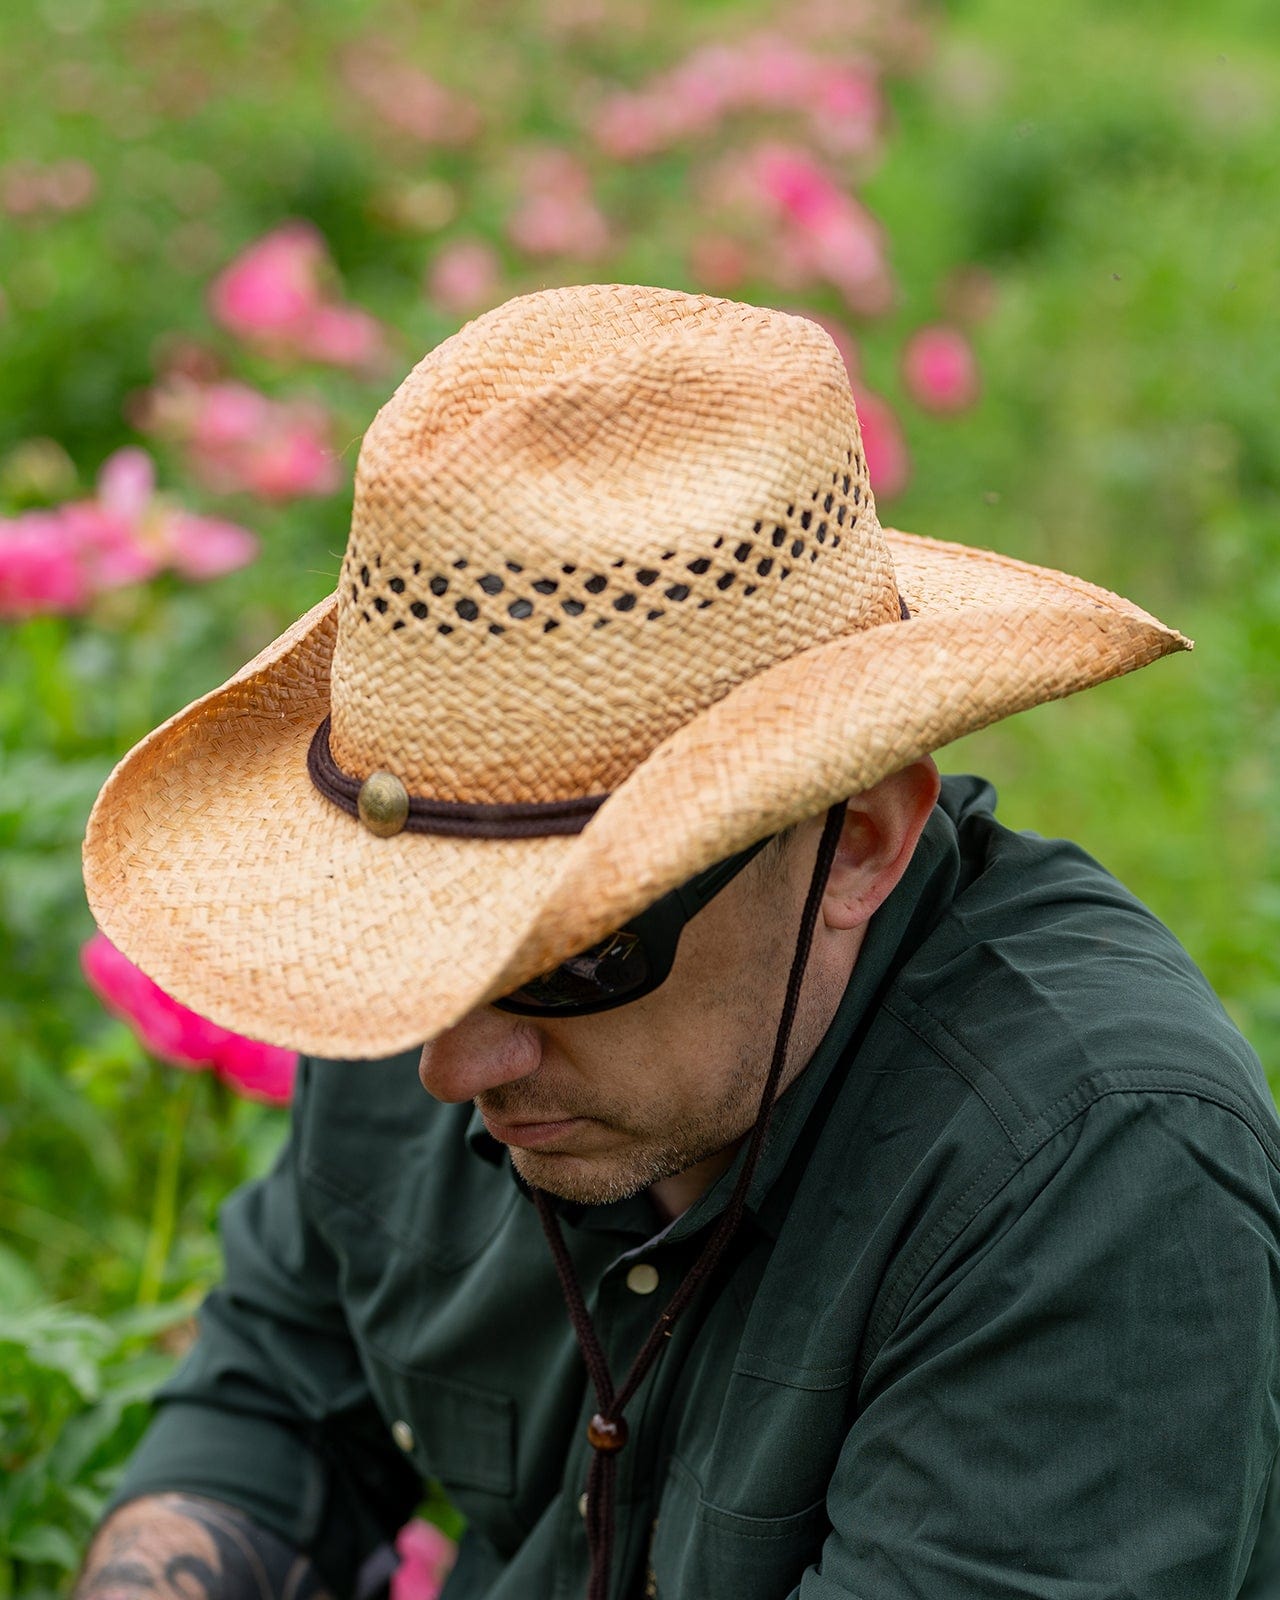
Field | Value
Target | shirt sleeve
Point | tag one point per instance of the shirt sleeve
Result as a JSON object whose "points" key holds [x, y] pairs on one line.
{"points": [[1080, 1400], [271, 1411]]}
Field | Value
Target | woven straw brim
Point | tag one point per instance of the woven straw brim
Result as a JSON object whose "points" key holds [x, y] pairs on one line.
{"points": [[213, 863]]}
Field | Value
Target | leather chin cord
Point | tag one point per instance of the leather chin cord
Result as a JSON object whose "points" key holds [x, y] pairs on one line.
{"points": [[607, 1429]]}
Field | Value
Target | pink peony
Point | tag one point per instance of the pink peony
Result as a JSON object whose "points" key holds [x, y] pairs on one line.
{"points": [[464, 277], [126, 483], [113, 547], [407, 99], [883, 444], [426, 1556], [180, 1036], [132, 532], [846, 108], [939, 369], [849, 253], [557, 216], [343, 336], [40, 567], [58, 560], [291, 463], [839, 100], [275, 294], [206, 547], [271, 290], [238, 439], [830, 231], [629, 127], [813, 229]]}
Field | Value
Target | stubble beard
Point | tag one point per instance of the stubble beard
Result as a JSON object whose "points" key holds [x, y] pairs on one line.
{"points": [[645, 1156]]}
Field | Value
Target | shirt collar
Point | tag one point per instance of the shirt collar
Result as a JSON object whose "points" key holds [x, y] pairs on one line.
{"points": [[924, 892]]}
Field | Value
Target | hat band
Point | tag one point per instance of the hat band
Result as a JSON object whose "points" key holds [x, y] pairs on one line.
{"points": [[454, 818]]}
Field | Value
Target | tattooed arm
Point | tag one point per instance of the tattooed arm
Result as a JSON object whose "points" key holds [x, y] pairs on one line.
{"points": [[180, 1547]]}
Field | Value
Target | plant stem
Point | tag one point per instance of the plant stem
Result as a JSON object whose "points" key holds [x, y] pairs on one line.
{"points": [[164, 1203]]}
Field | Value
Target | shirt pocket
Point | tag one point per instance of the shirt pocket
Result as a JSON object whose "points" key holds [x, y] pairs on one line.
{"points": [[699, 1549], [462, 1436], [459, 1434]]}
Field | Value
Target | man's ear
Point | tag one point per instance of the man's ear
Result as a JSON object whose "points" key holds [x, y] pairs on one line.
{"points": [[881, 827]]}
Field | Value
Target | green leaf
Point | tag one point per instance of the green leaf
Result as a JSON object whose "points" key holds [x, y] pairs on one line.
{"points": [[49, 1544], [19, 1285]]}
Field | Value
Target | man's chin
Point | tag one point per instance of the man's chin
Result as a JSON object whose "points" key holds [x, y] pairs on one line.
{"points": [[584, 1180]]}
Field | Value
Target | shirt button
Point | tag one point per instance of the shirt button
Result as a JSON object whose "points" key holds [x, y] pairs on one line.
{"points": [[642, 1279], [582, 1505], [402, 1433]]}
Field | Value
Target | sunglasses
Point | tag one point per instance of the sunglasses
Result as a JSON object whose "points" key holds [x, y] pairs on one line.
{"points": [[631, 962]]}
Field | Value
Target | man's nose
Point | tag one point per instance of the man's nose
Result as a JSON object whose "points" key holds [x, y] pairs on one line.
{"points": [[485, 1049]]}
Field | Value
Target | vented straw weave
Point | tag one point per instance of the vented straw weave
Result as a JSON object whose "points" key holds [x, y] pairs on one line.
{"points": [[605, 540]]}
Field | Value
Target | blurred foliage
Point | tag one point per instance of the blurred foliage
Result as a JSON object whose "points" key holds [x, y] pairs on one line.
{"points": [[74, 1398], [1089, 191]]}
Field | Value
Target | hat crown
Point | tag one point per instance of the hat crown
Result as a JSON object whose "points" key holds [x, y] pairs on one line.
{"points": [[580, 522]]}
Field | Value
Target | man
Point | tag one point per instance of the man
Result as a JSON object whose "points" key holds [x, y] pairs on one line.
{"points": [[910, 1206]]}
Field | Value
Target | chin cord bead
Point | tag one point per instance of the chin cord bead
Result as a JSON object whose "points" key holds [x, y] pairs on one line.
{"points": [[606, 1434], [607, 1429]]}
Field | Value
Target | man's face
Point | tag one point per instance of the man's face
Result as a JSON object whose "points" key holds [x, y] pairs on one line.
{"points": [[598, 1107]]}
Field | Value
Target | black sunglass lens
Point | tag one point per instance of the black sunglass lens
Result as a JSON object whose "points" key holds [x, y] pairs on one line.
{"points": [[615, 967]]}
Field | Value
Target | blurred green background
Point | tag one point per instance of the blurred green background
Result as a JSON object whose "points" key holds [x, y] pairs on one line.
{"points": [[1083, 197]]}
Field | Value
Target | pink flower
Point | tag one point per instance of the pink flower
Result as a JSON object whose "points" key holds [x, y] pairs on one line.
{"points": [[939, 369], [846, 108], [629, 127], [464, 277], [180, 1036], [129, 532], [206, 547], [425, 1558], [343, 336], [849, 253], [40, 567], [883, 444], [838, 99], [59, 560], [126, 483], [557, 216], [806, 226], [830, 234], [271, 290], [111, 546], [275, 294], [405, 98], [238, 439], [294, 461]]}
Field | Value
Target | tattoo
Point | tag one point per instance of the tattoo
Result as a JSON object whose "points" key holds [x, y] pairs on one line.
{"points": [[124, 1575], [180, 1547]]}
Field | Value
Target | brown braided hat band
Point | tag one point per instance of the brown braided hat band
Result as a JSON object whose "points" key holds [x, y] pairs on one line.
{"points": [[606, 541]]}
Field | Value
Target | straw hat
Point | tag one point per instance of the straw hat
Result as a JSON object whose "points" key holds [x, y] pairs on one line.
{"points": [[607, 541]]}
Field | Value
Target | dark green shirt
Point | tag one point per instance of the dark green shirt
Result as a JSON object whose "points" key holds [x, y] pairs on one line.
{"points": [[1001, 1321]]}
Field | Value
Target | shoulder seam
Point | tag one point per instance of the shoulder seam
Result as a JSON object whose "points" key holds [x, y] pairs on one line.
{"points": [[957, 1217], [1035, 1130], [895, 1004]]}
